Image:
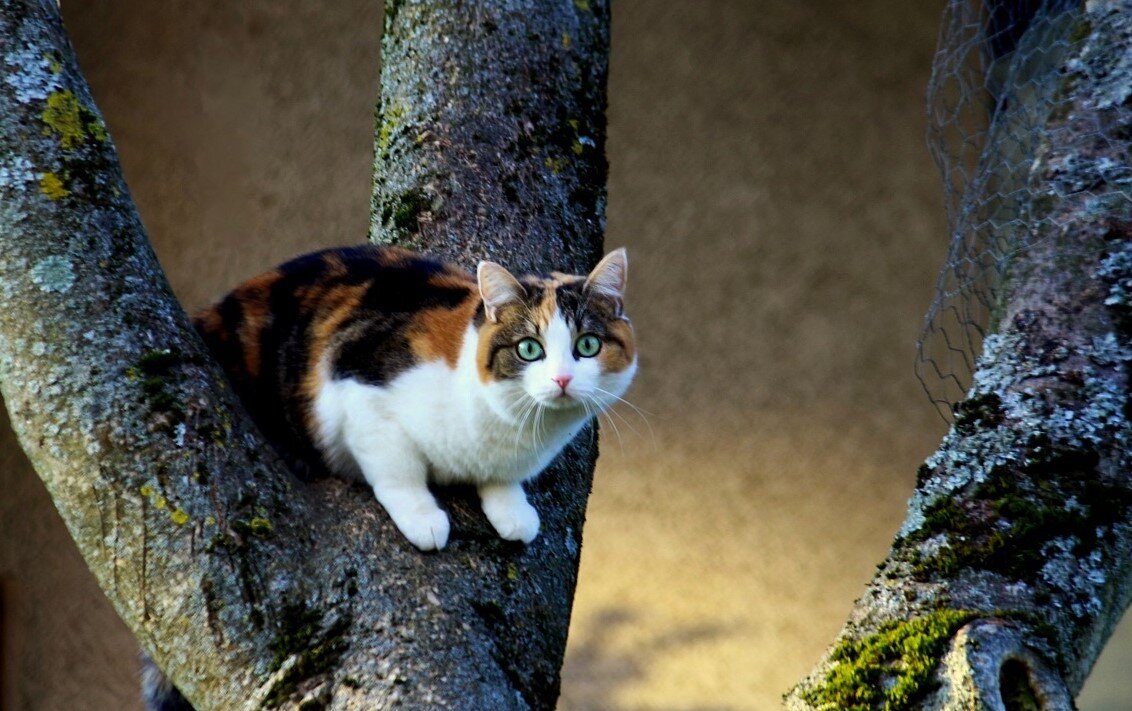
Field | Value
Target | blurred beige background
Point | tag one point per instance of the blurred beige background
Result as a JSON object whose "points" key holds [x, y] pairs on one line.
{"points": [[769, 176]]}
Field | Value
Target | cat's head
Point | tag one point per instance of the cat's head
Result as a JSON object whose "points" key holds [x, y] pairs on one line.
{"points": [[562, 341]]}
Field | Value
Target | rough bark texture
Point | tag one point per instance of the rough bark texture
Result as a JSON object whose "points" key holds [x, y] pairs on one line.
{"points": [[250, 589], [1013, 565], [490, 133]]}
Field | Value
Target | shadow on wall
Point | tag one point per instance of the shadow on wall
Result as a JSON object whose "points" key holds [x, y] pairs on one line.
{"points": [[595, 671]]}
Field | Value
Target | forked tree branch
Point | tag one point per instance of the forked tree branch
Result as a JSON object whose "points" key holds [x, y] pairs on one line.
{"points": [[250, 589]]}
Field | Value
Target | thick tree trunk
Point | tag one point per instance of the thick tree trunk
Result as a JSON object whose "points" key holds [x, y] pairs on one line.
{"points": [[1014, 563], [490, 132], [250, 589]]}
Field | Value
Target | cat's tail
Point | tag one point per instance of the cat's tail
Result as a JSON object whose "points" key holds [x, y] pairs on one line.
{"points": [[157, 692]]}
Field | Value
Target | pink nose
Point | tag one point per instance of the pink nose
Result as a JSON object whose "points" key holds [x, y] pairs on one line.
{"points": [[563, 381]]}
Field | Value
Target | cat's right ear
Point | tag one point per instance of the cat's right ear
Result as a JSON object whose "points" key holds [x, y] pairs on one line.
{"points": [[498, 288]]}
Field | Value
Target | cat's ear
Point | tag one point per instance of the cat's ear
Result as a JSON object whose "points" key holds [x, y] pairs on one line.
{"points": [[608, 277], [497, 287]]}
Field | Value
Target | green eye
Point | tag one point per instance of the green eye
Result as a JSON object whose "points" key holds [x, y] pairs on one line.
{"points": [[588, 345], [529, 349]]}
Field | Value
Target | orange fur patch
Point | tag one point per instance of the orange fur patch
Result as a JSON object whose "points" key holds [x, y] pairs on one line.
{"points": [[483, 349], [394, 256], [454, 279], [334, 264], [439, 333], [614, 359], [544, 311], [310, 296], [253, 298], [209, 321], [561, 278], [338, 304]]}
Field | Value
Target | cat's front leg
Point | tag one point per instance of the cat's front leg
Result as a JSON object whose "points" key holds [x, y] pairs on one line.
{"points": [[507, 508], [398, 473]]}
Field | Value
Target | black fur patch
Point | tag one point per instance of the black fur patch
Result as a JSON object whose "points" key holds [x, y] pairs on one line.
{"points": [[157, 693], [374, 347]]}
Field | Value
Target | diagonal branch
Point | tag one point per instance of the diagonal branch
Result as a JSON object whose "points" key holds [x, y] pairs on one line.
{"points": [[1015, 561], [245, 585]]}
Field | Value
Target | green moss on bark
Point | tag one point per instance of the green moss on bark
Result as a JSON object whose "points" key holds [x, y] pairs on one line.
{"points": [[1008, 519], [404, 211], [315, 649], [891, 669], [154, 371]]}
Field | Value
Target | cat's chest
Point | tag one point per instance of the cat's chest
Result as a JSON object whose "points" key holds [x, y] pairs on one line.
{"points": [[447, 421], [441, 410], [475, 449]]}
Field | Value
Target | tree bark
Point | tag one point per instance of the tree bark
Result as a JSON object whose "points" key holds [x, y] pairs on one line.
{"points": [[1015, 561], [490, 131], [250, 589]]}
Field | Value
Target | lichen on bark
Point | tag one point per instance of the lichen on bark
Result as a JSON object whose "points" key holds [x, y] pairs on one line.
{"points": [[1022, 519], [240, 581]]}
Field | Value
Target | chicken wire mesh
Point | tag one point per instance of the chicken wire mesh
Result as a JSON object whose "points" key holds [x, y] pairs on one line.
{"points": [[996, 98]]}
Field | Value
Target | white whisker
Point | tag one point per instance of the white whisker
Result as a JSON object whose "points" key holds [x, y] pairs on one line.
{"points": [[643, 414], [640, 411], [613, 411], [616, 431], [538, 428], [528, 413]]}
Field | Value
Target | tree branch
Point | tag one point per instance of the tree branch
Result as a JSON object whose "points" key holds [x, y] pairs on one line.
{"points": [[500, 153], [1014, 563], [244, 585]]}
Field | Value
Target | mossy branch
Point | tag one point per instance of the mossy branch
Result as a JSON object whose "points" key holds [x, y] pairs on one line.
{"points": [[1015, 561], [241, 582]]}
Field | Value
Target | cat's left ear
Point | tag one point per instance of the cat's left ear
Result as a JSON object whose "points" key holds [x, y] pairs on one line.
{"points": [[498, 287], [608, 277]]}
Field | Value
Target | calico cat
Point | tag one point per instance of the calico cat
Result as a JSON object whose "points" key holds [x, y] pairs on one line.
{"points": [[381, 363]]}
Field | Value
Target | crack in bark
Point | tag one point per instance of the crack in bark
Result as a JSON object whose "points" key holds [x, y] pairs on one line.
{"points": [[144, 560]]}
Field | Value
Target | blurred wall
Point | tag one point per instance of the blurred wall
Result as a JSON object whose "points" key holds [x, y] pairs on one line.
{"points": [[769, 177]]}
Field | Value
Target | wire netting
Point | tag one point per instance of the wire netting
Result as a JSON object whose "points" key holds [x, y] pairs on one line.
{"points": [[995, 101]]}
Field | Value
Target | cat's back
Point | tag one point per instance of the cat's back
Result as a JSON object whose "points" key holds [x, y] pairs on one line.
{"points": [[303, 303], [364, 312]]}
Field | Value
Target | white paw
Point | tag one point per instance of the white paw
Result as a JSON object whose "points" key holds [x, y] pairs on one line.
{"points": [[513, 520], [426, 530]]}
